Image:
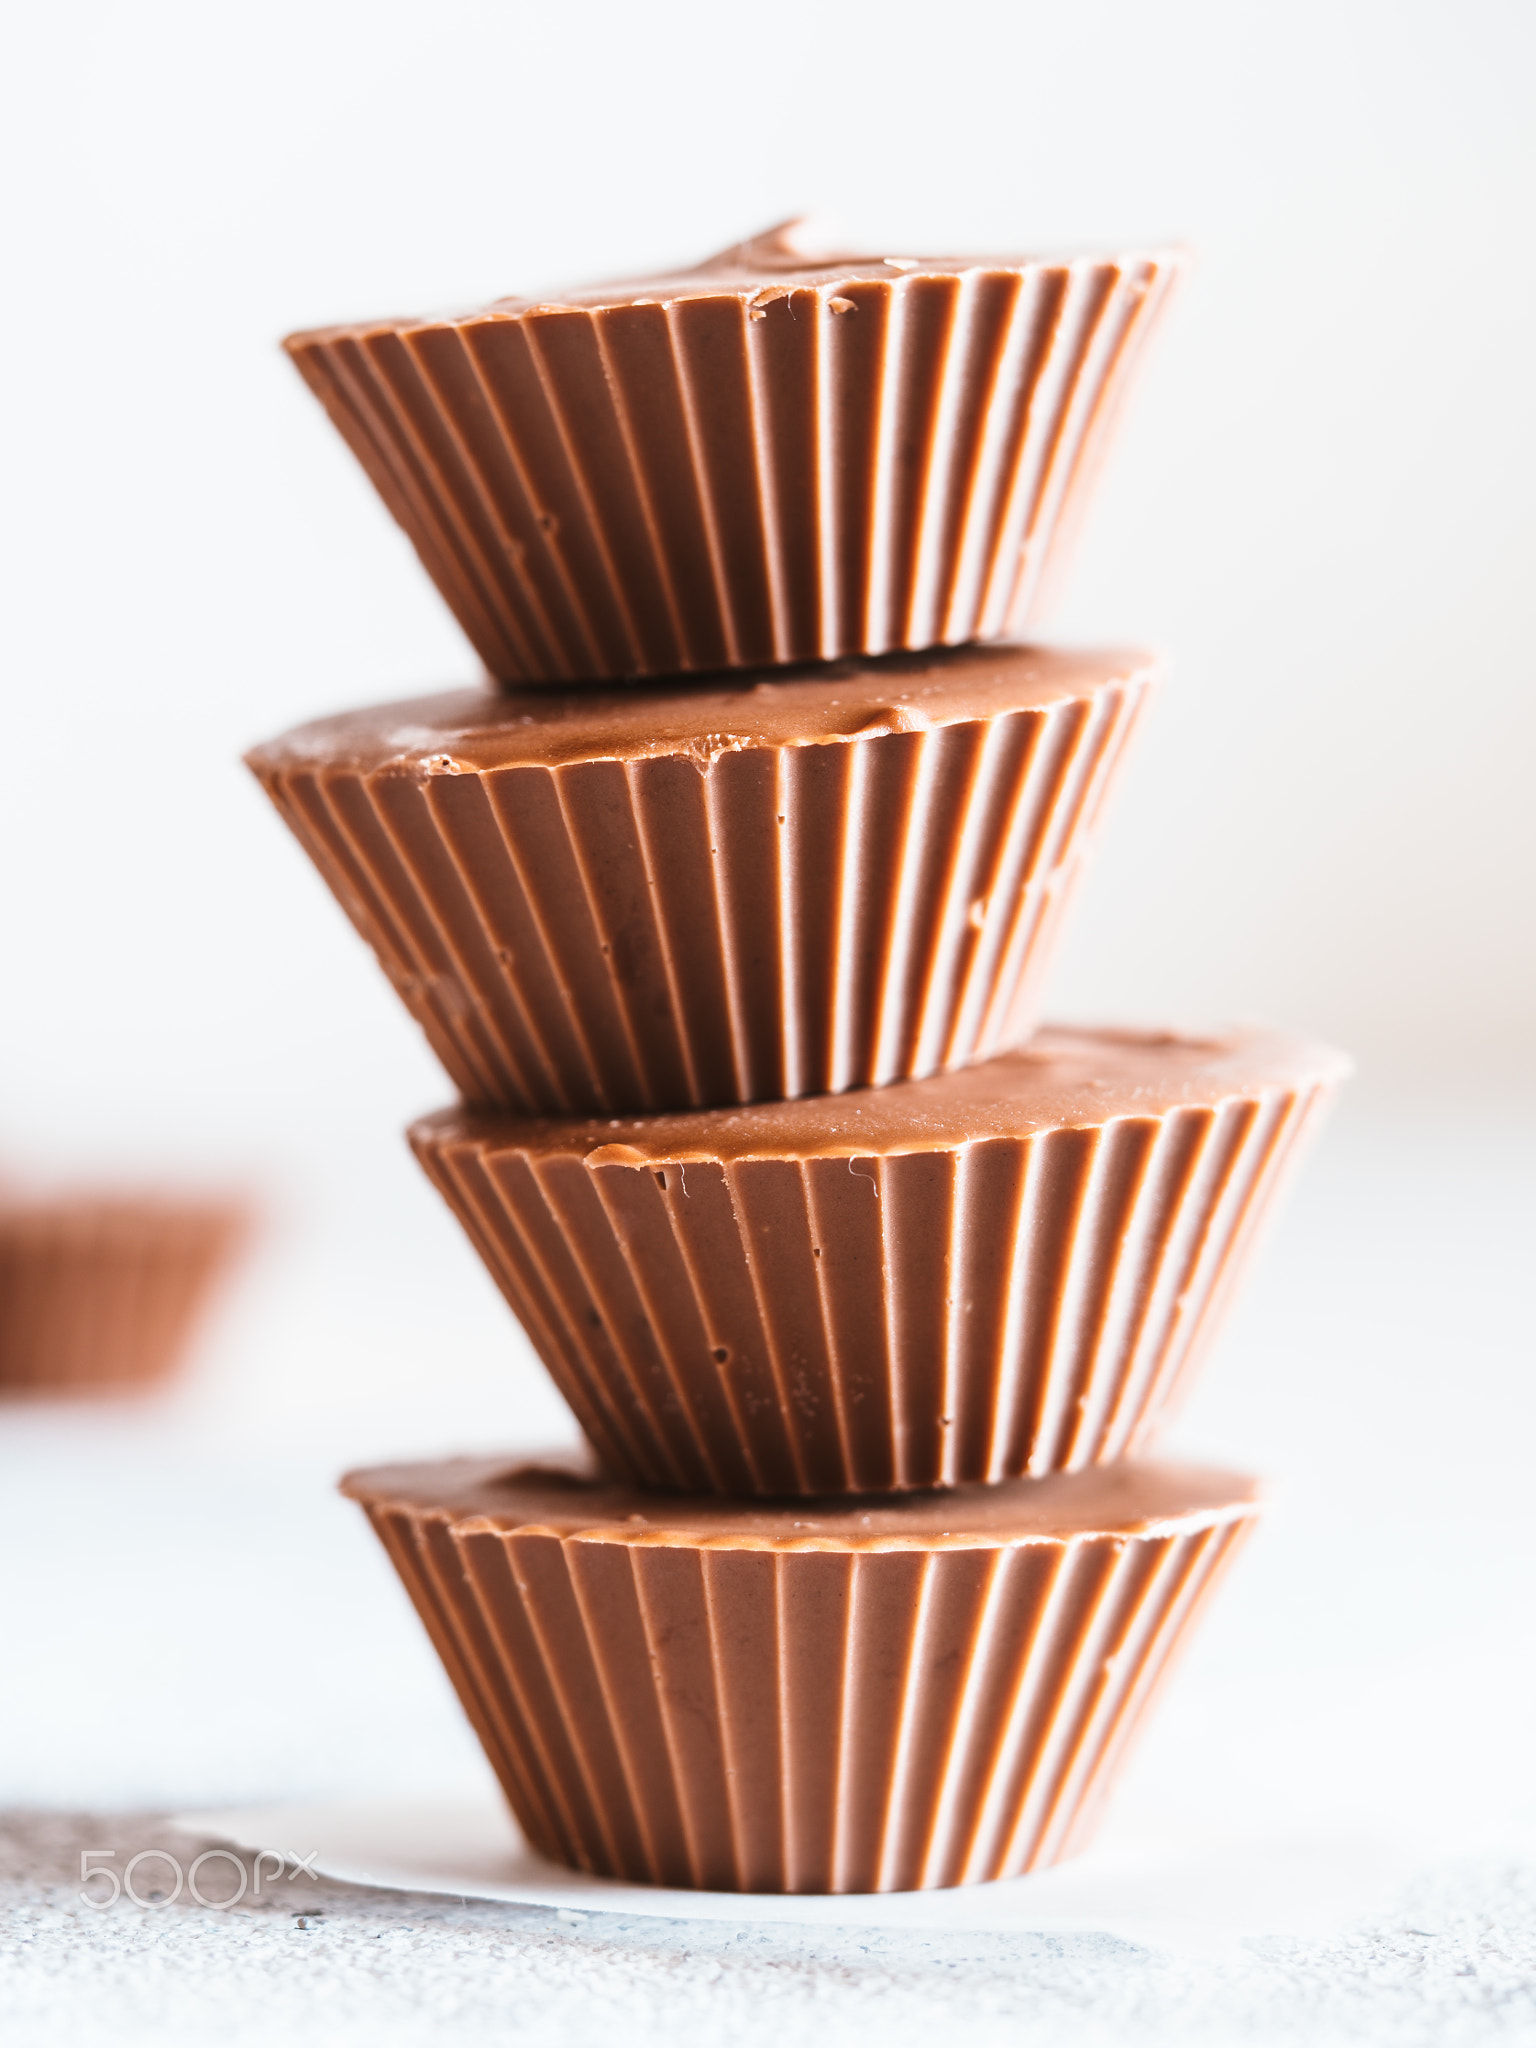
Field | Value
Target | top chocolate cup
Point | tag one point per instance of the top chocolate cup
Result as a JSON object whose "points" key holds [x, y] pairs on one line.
{"points": [[782, 455]]}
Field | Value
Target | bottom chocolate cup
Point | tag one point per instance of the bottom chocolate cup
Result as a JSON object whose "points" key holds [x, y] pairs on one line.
{"points": [[100, 1294], [888, 1693]]}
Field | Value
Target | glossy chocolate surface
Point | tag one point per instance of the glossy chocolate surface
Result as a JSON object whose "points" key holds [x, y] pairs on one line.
{"points": [[807, 704], [759, 272], [1140, 1498], [1065, 1079]]}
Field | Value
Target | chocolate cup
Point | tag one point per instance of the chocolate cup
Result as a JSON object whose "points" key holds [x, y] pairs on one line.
{"points": [[872, 1697], [758, 461], [992, 1273], [100, 1294], [676, 896]]}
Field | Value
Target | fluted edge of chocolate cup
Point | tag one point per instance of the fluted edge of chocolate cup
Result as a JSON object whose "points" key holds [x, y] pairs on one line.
{"points": [[803, 1717], [725, 478], [101, 1294], [935, 1313], [722, 923]]}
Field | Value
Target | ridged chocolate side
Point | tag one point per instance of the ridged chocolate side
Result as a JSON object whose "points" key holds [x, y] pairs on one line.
{"points": [[765, 1326], [727, 480], [778, 1720], [101, 1295], [695, 929]]}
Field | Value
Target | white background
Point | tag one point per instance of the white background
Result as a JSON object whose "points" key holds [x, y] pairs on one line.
{"points": [[1323, 505]]}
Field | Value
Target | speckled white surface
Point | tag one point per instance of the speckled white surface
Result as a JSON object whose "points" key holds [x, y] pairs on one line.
{"points": [[192, 1619], [1456, 1964]]}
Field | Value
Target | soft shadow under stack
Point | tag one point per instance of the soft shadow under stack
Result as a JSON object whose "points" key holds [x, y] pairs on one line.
{"points": [[870, 1293]]}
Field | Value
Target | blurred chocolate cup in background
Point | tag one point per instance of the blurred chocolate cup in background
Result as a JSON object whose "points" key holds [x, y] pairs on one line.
{"points": [[101, 1293]]}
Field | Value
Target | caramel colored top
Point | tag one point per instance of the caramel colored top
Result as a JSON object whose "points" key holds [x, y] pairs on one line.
{"points": [[783, 259], [1125, 1499], [1065, 1079], [807, 704]]}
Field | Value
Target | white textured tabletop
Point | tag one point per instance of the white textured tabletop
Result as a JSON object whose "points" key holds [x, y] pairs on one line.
{"points": [[191, 1620]]}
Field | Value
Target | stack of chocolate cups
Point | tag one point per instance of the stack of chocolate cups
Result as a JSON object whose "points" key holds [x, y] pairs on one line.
{"points": [[727, 911]]}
